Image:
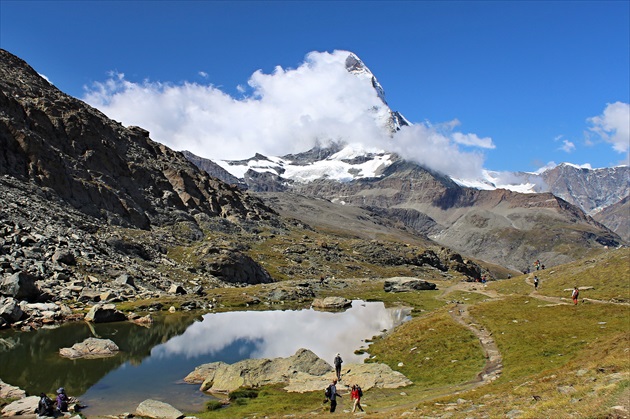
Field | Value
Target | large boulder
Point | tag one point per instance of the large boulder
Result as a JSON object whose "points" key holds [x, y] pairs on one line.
{"points": [[402, 284], [105, 313], [64, 256], [21, 286], [157, 410], [223, 377], [10, 310], [91, 348], [367, 376], [7, 391], [331, 303], [25, 406]]}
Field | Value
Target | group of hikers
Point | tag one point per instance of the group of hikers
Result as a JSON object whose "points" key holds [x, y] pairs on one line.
{"points": [[331, 391], [47, 408]]}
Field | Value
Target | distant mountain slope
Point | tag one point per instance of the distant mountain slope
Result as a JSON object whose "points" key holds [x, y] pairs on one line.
{"points": [[98, 166], [499, 226], [617, 217], [590, 189]]}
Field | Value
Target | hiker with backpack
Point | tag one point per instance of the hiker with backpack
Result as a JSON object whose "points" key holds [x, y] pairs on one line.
{"points": [[535, 282], [355, 394], [331, 394], [45, 406], [575, 294], [338, 361]]}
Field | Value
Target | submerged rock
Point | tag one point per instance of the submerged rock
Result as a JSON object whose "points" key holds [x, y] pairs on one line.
{"points": [[91, 348]]}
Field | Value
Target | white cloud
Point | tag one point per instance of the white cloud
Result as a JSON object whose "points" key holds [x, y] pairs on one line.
{"points": [[472, 140], [203, 74], [288, 111], [567, 146], [613, 125]]}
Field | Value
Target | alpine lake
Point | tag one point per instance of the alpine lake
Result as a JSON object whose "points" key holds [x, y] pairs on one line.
{"points": [[153, 361]]}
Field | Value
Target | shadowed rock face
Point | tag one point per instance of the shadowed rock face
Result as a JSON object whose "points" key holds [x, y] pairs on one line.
{"points": [[98, 166]]}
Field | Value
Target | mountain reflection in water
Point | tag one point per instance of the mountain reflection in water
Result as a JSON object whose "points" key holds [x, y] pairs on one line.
{"points": [[230, 337]]}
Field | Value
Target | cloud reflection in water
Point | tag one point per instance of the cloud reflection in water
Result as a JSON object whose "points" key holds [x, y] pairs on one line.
{"points": [[281, 333]]}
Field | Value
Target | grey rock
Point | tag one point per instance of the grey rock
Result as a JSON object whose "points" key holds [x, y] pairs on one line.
{"points": [[91, 348], [331, 303], [7, 391], [256, 372], [177, 289], [401, 284], [104, 314], [10, 310], [125, 279], [157, 410], [21, 286], [24, 406], [64, 256]]}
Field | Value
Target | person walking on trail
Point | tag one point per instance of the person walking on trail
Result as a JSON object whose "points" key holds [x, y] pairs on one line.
{"points": [[355, 394], [331, 393], [535, 282], [338, 361], [575, 294]]}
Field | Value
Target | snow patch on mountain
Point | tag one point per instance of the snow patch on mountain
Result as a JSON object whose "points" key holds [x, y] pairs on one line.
{"points": [[351, 162]]}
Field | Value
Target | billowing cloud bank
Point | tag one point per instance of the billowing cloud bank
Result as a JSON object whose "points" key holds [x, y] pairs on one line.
{"points": [[288, 111], [613, 125]]}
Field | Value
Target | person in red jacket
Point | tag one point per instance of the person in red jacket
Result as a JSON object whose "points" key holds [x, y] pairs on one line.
{"points": [[355, 394]]}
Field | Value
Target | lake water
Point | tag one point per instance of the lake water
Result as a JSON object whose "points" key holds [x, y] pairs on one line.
{"points": [[153, 361]]}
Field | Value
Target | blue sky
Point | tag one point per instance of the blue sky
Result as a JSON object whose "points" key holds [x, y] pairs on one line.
{"points": [[540, 81]]}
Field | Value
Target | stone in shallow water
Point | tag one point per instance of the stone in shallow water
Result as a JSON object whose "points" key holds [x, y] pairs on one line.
{"points": [[90, 348]]}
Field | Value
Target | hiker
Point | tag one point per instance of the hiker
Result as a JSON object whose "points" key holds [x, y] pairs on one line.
{"points": [[45, 406], [575, 294], [338, 361], [331, 394], [535, 282], [62, 400], [355, 394]]}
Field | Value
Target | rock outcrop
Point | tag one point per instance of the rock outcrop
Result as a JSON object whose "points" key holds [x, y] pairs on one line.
{"points": [[301, 373], [7, 391], [331, 303], [105, 313], [90, 348], [222, 377], [24, 406], [407, 284]]}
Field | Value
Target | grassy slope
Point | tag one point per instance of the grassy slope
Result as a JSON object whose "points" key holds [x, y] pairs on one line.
{"points": [[575, 359]]}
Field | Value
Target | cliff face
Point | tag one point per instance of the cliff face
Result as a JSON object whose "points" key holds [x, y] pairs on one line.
{"points": [[98, 166]]}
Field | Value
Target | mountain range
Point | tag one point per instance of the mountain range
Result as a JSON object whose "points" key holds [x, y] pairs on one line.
{"points": [[66, 152]]}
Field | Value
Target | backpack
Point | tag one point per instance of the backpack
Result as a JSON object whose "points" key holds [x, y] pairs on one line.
{"points": [[360, 391], [44, 407], [327, 392]]}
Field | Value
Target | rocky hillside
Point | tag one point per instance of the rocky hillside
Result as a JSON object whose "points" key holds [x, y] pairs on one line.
{"points": [[98, 166]]}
